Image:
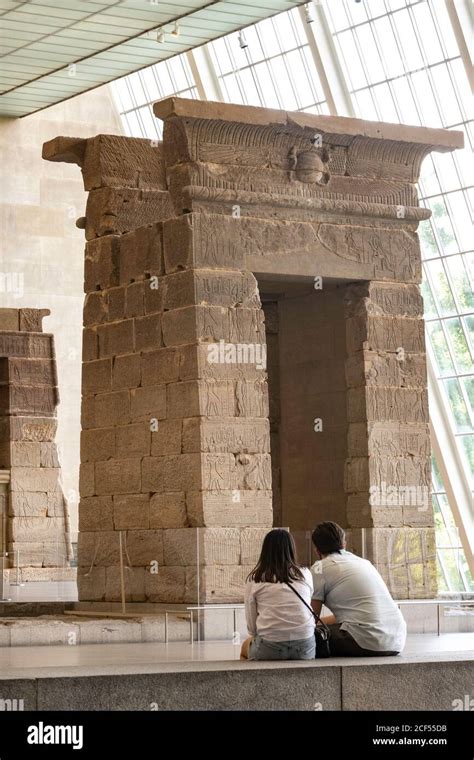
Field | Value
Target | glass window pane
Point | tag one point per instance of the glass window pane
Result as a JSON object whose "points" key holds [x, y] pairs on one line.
{"points": [[446, 170], [425, 99], [440, 348], [149, 124], [337, 16], [428, 300], [392, 59], [136, 88], [178, 71], [254, 50], [394, 5], [469, 262], [285, 31], [233, 92], [429, 246], [445, 29], [441, 287], [468, 323], [353, 65], [467, 447], [247, 79], [298, 26], [133, 125], [429, 39], [459, 346], [405, 102], [429, 178], [442, 225], [384, 99], [220, 55], [408, 41], [447, 100], [268, 38], [460, 82], [122, 90], [468, 385], [448, 519], [365, 106], [460, 281], [442, 534], [458, 406], [442, 584], [450, 560], [286, 94], [314, 78], [371, 57], [150, 84], [462, 219], [358, 13], [436, 476]]}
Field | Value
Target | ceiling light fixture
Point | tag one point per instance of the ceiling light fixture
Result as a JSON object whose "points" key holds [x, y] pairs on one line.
{"points": [[176, 30], [242, 41], [308, 13], [161, 36]]}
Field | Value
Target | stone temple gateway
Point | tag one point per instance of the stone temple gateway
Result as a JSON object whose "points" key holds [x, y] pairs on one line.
{"points": [[253, 347]]}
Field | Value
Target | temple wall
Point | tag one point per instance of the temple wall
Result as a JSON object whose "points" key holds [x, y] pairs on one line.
{"points": [[41, 250], [176, 464]]}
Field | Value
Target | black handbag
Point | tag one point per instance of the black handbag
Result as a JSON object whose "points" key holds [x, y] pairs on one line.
{"points": [[322, 634]]}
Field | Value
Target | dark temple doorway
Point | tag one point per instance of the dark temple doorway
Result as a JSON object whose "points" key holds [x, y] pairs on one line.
{"points": [[306, 352]]}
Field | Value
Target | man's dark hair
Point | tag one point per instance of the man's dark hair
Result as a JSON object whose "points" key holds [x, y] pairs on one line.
{"points": [[328, 537], [277, 563]]}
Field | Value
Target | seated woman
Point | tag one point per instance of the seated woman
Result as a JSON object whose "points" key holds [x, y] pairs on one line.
{"points": [[365, 620], [281, 626]]}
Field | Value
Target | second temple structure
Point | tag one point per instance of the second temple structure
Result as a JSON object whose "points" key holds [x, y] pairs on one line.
{"points": [[253, 347]]}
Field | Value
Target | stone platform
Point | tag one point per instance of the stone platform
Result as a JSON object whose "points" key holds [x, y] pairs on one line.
{"points": [[434, 673]]}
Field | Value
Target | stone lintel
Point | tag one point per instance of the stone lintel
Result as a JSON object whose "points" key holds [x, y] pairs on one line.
{"points": [[436, 139]]}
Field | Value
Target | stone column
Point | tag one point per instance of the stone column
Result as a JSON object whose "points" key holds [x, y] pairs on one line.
{"points": [[38, 523], [175, 435], [388, 471], [175, 444]]}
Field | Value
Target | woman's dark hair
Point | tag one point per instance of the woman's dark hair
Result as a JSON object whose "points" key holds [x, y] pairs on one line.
{"points": [[328, 537], [277, 563]]}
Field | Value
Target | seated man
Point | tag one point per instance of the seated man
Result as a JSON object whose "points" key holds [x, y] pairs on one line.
{"points": [[365, 620]]}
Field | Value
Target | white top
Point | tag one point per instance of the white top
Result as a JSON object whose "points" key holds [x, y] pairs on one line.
{"points": [[275, 613], [357, 596]]}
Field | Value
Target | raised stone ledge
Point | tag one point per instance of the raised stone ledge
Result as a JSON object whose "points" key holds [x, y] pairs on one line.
{"points": [[310, 205]]}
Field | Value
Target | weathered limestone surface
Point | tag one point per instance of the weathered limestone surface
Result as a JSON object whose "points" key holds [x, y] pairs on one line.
{"points": [[177, 421], [37, 513]]}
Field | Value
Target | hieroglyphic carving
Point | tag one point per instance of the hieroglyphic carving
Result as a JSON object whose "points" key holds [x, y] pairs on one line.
{"points": [[388, 440], [30, 345], [392, 251]]}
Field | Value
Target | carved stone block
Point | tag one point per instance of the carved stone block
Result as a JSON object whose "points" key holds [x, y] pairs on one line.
{"points": [[117, 476], [234, 508], [112, 211], [168, 510]]}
